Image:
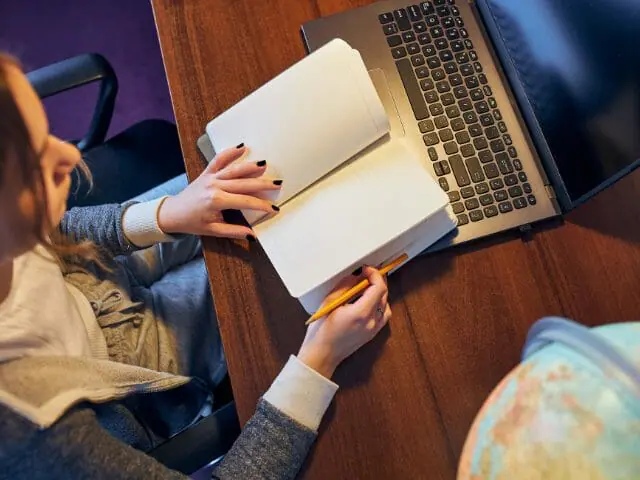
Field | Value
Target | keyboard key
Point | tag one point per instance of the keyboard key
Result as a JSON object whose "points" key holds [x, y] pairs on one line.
{"points": [[513, 153], [468, 43], [462, 220], [462, 137], [412, 89], [526, 187], [457, 124], [462, 57], [471, 82], [497, 115], [531, 199], [441, 122], [491, 171], [464, 33], [497, 146], [476, 94], [491, 133], [520, 202], [459, 171], [402, 19], [467, 192], [390, 29], [522, 176], [476, 215], [502, 127], [500, 195], [460, 92], [475, 130], [436, 32], [453, 34], [408, 36], [504, 163], [446, 56], [394, 41], [450, 68], [445, 167], [505, 207], [477, 67], [471, 203], [438, 74], [385, 17], [431, 97], [457, 207], [455, 79], [452, 112], [458, 20], [466, 70], [481, 107], [475, 170], [480, 143], [414, 13], [433, 62], [443, 86], [510, 180], [399, 52], [424, 39], [515, 191], [429, 50], [486, 120], [490, 211], [492, 102], [433, 154], [432, 21], [486, 199], [487, 90], [467, 150], [444, 185], [470, 117], [507, 139], [422, 72], [450, 148], [417, 60], [412, 48], [457, 46], [454, 197], [473, 55], [419, 27], [443, 11], [485, 156], [482, 188], [427, 84], [441, 44], [427, 8], [448, 22], [497, 183], [426, 126], [431, 139], [436, 109], [447, 99], [446, 135], [437, 168]]}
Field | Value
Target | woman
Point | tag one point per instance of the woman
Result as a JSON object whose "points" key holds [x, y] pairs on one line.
{"points": [[114, 347]]}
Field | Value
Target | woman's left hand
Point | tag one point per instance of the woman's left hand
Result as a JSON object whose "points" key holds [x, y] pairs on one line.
{"points": [[223, 185]]}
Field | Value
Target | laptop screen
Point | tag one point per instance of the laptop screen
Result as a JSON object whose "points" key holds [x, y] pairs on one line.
{"points": [[578, 63]]}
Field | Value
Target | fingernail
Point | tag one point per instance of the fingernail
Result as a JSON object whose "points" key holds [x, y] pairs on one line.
{"points": [[240, 145], [357, 271], [251, 238], [277, 182], [276, 208], [261, 163]]}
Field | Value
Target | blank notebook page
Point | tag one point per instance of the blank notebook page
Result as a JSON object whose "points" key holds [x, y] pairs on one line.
{"points": [[363, 205], [307, 120]]}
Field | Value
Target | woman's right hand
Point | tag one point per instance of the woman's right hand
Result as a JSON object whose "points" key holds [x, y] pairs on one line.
{"points": [[333, 338]]}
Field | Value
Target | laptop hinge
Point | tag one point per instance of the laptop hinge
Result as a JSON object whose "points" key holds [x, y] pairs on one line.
{"points": [[551, 193]]}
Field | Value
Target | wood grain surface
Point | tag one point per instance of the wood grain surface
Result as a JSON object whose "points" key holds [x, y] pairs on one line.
{"points": [[460, 317]]}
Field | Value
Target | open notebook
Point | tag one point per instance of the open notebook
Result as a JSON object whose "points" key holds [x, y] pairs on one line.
{"points": [[351, 194]]}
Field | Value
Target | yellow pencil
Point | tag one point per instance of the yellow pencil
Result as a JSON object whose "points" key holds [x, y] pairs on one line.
{"points": [[353, 291]]}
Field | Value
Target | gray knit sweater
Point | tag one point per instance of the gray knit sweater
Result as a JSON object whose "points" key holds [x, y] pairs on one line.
{"points": [[98, 439]]}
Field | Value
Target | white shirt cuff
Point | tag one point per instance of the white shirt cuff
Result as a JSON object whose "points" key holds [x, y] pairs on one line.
{"points": [[140, 223], [301, 393]]}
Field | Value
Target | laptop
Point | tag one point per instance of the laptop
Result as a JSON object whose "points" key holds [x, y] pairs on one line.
{"points": [[523, 109]]}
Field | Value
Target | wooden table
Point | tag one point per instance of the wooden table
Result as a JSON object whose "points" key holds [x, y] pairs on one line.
{"points": [[407, 400]]}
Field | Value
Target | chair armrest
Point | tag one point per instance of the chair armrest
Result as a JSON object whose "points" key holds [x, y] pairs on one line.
{"points": [[201, 444], [75, 72]]}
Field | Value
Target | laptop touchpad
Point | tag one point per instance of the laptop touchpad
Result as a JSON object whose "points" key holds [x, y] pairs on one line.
{"points": [[382, 87]]}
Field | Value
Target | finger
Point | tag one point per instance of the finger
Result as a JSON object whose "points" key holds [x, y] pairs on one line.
{"points": [[224, 158], [249, 185], [343, 285], [242, 170], [372, 296], [234, 201], [227, 230], [385, 318]]}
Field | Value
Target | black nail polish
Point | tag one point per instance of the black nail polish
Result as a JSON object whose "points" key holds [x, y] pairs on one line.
{"points": [[357, 272], [277, 182], [240, 145], [276, 208], [251, 238], [261, 163]]}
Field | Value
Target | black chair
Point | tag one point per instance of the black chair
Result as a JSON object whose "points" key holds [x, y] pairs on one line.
{"points": [[124, 166]]}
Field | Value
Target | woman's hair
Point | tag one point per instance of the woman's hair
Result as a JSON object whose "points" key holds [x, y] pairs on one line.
{"points": [[15, 141]]}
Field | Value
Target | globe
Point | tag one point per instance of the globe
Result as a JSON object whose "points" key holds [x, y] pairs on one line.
{"points": [[569, 410]]}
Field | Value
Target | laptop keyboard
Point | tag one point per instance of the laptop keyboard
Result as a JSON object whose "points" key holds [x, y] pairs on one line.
{"points": [[454, 106]]}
